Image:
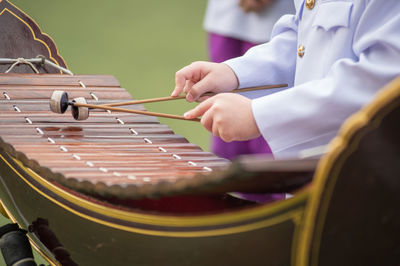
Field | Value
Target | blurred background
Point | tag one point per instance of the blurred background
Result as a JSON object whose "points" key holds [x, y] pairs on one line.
{"points": [[141, 43]]}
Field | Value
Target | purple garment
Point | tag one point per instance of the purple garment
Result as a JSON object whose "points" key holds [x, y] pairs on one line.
{"points": [[222, 48]]}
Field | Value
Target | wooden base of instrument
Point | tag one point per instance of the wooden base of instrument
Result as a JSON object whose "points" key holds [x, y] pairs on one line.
{"points": [[96, 232]]}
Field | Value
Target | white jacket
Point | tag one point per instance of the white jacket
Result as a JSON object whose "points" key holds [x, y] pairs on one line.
{"points": [[225, 17], [351, 50]]}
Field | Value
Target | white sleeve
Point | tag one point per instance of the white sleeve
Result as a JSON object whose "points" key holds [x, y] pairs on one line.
{"points": [[311, 113], [270, 63]]}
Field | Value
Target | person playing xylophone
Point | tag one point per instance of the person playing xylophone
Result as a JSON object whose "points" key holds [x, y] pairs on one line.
{"points": [[335, 55]]}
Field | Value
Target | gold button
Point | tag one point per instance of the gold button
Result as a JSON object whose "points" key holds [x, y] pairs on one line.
{"points": [[301, 50], [310, 4]]}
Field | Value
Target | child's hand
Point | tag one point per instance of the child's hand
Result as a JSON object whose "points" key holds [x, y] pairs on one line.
{"points": [[254, 5], [201, 77], [228, 116]]}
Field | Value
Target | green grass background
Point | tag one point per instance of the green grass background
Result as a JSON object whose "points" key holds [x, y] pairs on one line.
{"points": [[141, 43]]}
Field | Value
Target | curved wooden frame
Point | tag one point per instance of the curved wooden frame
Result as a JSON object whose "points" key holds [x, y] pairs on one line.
{"points": [[39, 39], [159, 228], [327, 173]]}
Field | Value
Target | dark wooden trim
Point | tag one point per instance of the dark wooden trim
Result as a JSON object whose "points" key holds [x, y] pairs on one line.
{"points": [[22, 37]]}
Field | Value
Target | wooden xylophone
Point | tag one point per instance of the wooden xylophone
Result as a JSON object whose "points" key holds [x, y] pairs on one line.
{"points": [[122, 189], [111, 153], [128, 181]]}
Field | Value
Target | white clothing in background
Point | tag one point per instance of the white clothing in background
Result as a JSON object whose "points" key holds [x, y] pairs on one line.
{"points": [[225, 17]]}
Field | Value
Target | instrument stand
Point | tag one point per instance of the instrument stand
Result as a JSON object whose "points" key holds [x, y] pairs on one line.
{"points": [[15, 246]]}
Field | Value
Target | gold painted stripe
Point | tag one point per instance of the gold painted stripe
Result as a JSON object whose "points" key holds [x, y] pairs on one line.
{"points": [[35, 246], [191, 221], [295, 240], [44, 34], [34, 35], [3, 209], [164, 220], [338, 145]]}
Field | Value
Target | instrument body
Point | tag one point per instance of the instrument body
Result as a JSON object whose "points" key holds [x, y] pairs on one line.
{"points": [[96, 234], [68, 169]]}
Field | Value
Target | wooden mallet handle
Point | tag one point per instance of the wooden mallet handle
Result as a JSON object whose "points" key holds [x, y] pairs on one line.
{"points": [[169, 98]]}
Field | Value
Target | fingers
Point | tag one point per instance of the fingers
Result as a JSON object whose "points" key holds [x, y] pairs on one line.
{"points": [[199, 88], [201, 77], [214, 130], [187, 76], [181, 77], [203, 98], [207, 121], [200, 109], [188, 86], [179, 84], [228, 116], [207, 116], [213, 123]]}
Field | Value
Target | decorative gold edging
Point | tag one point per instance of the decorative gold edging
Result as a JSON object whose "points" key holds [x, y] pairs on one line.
{"points": [[42, 254], [256, 212], [44, 34], [338, 146], [2, 208], [39, 250], [297, 220], [34, 35], [187, 221]]}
